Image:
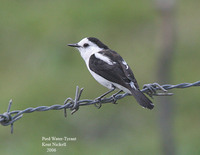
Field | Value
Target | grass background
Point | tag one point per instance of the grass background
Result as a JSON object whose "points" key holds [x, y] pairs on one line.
{"points": [[37, 68]]}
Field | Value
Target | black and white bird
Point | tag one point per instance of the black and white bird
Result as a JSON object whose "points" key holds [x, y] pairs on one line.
{"points": [[110, 69]]}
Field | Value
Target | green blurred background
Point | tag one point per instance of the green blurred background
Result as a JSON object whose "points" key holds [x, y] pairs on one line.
{"points": [[37, 68]]}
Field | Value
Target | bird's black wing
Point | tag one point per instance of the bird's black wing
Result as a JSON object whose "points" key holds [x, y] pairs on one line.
{"points": [[115, 72], [122, 64]]}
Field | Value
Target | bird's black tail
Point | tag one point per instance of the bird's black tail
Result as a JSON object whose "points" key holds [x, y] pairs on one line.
{"points": [[142, 99]]}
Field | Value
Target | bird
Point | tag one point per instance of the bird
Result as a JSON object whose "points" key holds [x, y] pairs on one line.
{"points": [[110, 69]]}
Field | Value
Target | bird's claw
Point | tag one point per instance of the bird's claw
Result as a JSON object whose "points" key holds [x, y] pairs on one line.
{"points": [[114, 100], [98, 104], [114, 97]]}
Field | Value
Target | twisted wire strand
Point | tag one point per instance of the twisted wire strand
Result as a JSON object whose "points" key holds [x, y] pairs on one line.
{"points": [[150, 89]]}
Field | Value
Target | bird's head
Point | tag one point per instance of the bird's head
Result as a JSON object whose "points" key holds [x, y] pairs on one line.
{"points": [[89, 46]]}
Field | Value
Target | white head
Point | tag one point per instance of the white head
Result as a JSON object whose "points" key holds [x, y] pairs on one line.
{"points": [[89, 46]]}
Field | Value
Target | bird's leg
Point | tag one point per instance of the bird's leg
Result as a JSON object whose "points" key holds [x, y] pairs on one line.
{"points": [[106, 93], [98, 105], [114, 97]]}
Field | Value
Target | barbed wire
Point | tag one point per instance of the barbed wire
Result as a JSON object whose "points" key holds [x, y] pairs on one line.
{"points": [[9, 117]]}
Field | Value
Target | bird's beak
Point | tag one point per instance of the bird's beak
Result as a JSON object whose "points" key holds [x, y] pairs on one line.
{"points": [[74, 45]]}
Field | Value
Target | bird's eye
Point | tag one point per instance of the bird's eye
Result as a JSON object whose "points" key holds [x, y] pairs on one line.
{"points": [[85, 45]]}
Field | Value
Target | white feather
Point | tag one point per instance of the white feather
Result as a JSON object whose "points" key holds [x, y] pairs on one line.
{"points": [[132, 85], [104, 58], [124, 63]]}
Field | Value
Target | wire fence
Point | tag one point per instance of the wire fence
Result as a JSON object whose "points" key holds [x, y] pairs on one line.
{"points": [[9, 117]]}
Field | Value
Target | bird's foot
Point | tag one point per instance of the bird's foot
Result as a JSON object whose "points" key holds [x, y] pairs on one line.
{"points": [[114, 97], [98, 104], [99, 99]]}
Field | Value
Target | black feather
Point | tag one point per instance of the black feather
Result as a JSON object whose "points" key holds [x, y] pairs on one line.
{"points": [[97, 42], [142, 99]]}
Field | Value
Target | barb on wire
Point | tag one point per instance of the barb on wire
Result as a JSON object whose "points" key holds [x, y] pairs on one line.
{"points": [[9, 117]]}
